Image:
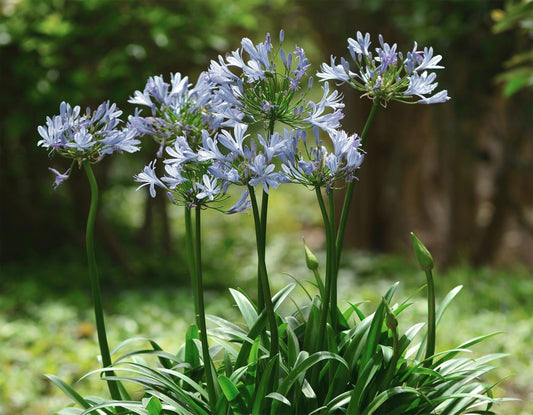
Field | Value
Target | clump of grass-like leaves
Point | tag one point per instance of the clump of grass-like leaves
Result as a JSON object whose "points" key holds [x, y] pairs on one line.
{"points": [[369, 366]]}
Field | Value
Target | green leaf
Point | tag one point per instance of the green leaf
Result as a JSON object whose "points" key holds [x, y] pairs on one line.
{"points": [[304, 365], [167, 363], [279, 397], [67, 390], [263, 389], [312, 326], [152, 405], [281, 295], [365, 378], [246, 308], [386, 395], [374, 333]]}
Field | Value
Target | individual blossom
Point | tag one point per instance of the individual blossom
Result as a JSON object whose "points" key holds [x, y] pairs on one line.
{"points": [[86, 136], [386, 74]]}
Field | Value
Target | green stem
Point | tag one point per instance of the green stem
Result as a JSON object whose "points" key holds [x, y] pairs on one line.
{"points": [[195, 264], [263, 221], [430, 345], [349, 191], [332, 261], [95, 284], [260, 237], [395, 357], [325, 302]]}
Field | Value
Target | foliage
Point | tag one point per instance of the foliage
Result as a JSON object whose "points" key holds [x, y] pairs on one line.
{"points": [[46, 328], [518, 74]]}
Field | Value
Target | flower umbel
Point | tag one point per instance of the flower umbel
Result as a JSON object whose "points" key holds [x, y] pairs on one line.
{"points": [[386, 74], [177, 109], [86, 137], [268, 87]]}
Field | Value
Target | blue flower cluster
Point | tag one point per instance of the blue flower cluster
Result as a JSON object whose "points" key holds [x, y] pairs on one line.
{"points": [[86, 137], [177, 109], [387, 74], [207, 131], [246, 89]]}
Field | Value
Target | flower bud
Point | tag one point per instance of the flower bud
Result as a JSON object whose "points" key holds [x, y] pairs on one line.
{"points": [[391, 320], [422, 254], [310, 258]]}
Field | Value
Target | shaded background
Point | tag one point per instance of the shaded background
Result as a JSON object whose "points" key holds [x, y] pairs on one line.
{"points": [[458, 174]]}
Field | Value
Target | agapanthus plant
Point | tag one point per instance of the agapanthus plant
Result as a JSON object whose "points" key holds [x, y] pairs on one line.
{"points": [[86, 139], [181, 121], [382, 75], [259, 85], [313, 360]]}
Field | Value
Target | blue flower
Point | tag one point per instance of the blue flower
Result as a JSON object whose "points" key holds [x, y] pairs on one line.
{"points": [[253, 91], [208, 188], [121, 141], [241, 205], [173, 176], [177, 109], [318, 167], [264, 174], [60, 177], [234, 142], [441, 96], [149, 178], [359, 46]]}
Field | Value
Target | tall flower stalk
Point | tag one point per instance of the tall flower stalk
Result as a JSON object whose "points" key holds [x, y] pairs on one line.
{"points": [[182, 121], [95, 283], [86, 139], [382, 75], [267, 89], [194, 238]]}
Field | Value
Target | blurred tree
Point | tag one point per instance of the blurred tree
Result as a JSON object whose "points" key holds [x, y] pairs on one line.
{"points": [[512, 175]]}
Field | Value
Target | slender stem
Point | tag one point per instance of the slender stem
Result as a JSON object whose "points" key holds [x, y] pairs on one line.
{"points": [[349, 191], [262, 270], [333, 264], [430, 345], [190, 243], [95, 284], [263, 222], [395, 357], [325, 302], [194, 241]]}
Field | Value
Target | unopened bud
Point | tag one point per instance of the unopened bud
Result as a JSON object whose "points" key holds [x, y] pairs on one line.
{"points": [[422, 254], [310, 258], [391, 320]]}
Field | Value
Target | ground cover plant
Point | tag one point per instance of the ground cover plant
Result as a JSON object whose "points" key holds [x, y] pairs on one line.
{"points": [[250, 121]]}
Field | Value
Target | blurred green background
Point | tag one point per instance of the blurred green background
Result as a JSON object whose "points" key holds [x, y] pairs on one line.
{"points": [[458, 174]]}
